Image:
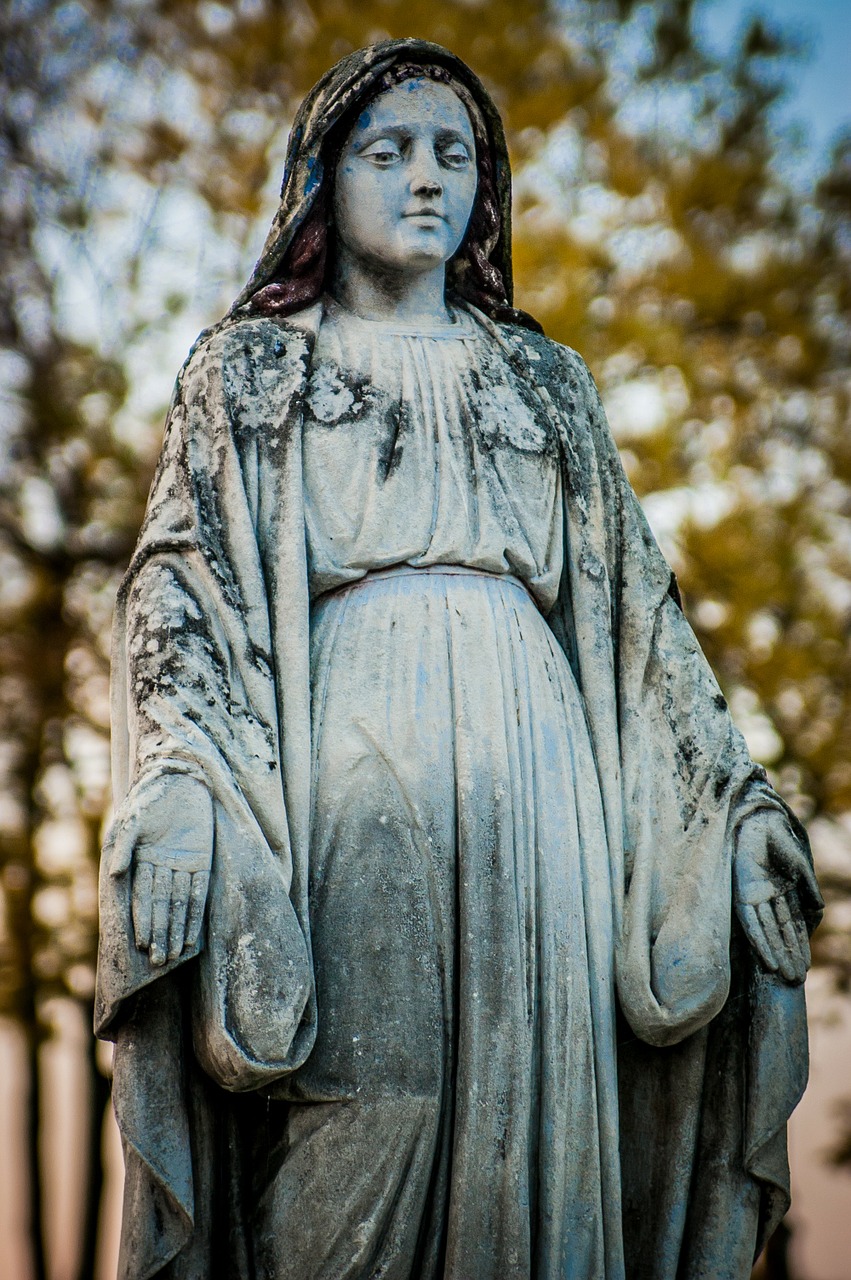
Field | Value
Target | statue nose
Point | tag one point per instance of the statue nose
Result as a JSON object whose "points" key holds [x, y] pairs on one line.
{"points": [[426, 185], [426, 177]]}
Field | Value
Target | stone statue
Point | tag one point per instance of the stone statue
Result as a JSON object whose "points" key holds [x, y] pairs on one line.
{"points": [[448, 928]]}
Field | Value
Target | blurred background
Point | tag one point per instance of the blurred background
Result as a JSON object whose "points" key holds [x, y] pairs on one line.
{"points": [[683, 218]]}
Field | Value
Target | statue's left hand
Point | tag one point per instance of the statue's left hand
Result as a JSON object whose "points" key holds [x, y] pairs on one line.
{"points": [[771, 871]]}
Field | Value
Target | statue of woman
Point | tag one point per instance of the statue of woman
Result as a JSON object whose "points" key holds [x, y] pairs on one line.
{"points": [[448, 929]]}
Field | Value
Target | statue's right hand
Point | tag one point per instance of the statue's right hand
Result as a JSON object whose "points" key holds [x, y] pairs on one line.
{"points": [[166, 835]]}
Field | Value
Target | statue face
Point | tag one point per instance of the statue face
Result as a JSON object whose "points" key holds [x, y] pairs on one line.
{"points": [[406, 179]]}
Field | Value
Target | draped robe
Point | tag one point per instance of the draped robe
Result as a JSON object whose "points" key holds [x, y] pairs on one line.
{"points": [[211, 678]]}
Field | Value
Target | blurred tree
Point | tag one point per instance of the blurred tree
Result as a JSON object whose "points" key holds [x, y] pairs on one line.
{"points": [[66, 525], [660, 230]]}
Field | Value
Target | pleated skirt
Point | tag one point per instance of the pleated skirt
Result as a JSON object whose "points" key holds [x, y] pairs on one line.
{"points": [[458, 1115]]}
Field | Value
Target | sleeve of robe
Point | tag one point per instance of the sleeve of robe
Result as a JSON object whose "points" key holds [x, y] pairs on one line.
{"points": [[195, 691], [706, 1106], [676, 774]]}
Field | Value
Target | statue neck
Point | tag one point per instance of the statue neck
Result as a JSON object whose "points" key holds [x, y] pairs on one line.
{"points": [[374, 292]]}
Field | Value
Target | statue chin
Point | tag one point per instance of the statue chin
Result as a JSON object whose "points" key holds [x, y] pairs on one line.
{"points": [[447, 927]]}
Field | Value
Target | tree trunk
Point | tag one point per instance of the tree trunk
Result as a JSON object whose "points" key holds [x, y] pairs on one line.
{"points": [[100, 1091], [33, 1171]]}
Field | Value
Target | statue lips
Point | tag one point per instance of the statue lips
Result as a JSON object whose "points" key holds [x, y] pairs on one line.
{"points": [[425, 213]]}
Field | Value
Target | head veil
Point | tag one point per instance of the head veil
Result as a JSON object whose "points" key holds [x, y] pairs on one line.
{"points": [[291, 270]]}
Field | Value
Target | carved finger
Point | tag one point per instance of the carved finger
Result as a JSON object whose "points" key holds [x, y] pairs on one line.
{"points": [[160, 915], [756, 937], [785, 919], [796, 926], [768, 920], [790, 937], [804, 940], [790, 961], [119, 845], [143, 885], [177, 919], [197, 902]]}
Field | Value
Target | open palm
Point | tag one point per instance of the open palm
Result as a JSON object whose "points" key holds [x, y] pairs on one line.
{"points": [[771, 874], [165, 834]]}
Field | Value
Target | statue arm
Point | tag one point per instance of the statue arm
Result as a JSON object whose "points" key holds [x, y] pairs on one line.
{"points": [[731, 830], [163, 833]]}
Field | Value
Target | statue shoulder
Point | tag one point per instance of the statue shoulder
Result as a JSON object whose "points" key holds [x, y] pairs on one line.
{"points": [[551, 363], [246, 367], [246, 343], [564, 379]]}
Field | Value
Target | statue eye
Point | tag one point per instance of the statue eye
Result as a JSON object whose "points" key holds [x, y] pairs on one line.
{"points": [[383, 153], [455, 155]]}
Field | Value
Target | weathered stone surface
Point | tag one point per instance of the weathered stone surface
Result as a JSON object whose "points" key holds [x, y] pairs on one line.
{"points": [[503, 931]]}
